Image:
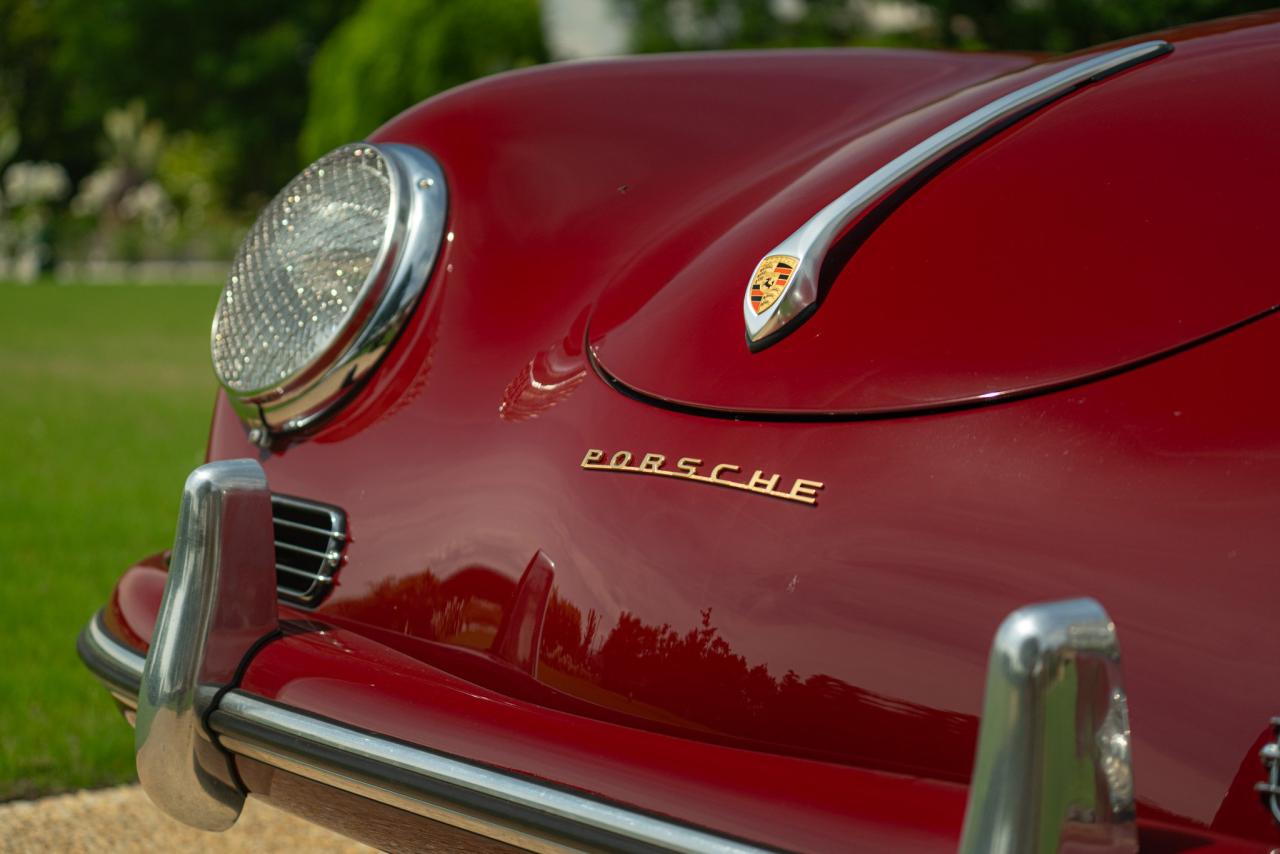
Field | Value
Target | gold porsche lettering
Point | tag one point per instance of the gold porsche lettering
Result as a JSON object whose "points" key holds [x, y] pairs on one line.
{"points": [[691, 468], [715, 472], [652, 462]]}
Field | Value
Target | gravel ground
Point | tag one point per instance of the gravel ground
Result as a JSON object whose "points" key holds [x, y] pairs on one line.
{"points": [[122, 819]]}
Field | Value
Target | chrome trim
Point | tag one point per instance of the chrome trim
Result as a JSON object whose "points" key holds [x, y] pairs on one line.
{"points": [[482, 800], [809, 245], [1053, 771], [312, 529], [116, 665], [300, 573], [325, 556], [331, 560], [219, 600], [419, 204]]}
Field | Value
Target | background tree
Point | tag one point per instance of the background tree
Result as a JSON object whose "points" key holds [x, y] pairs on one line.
{"points": [[30, 94], [666, 25], [390, 54], [234, 71], [243, 92], [1032, 25], [1066, 25]]}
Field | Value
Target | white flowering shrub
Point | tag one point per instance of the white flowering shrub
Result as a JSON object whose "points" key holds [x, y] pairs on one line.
{"points": [[151, 198], [31, 183], [30, 191]]}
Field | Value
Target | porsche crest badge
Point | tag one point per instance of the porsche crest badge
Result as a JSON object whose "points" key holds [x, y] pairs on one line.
{"points": [[771, 280]]}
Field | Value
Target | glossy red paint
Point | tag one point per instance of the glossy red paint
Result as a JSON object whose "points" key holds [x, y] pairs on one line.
{"points": [[946, 523], [784, 801], [800, 804], [791, 803], [733, 660], [135, 602]]}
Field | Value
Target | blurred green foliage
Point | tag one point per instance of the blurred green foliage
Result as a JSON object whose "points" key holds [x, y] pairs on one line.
{"points": [[237, 76], [1065, 25], [666, 25], [145, 130], [247, 91], [234, 70], [390, 54], [1017, 25]]}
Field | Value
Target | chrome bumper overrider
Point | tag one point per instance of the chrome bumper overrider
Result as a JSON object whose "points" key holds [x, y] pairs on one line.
{"points": [[1052, 771]]}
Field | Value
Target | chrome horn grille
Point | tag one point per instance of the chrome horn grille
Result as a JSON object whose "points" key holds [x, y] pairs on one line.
{"points": [[310, 538]]}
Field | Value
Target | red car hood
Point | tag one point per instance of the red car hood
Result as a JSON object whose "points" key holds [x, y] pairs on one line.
{"points": [[649, 185], [1063, 248], [628, 201]]}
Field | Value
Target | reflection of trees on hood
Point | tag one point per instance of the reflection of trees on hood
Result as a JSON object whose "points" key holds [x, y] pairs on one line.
{"points": [[696, 675], [687, 681]]}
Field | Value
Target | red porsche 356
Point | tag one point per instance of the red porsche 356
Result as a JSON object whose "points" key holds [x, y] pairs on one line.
{"points": [[827, 450]]}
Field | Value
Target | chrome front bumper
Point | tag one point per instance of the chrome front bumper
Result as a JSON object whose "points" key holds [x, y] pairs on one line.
{"points": [[1055, 711], [500, 806]]}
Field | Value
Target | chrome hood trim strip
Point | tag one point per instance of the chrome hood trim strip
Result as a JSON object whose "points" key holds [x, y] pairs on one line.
{"points": [[774, 301]]}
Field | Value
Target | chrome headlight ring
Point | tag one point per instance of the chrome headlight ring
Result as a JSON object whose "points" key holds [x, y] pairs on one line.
{"points": [[324, 280]]}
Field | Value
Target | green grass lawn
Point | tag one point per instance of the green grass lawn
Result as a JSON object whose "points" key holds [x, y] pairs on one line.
{"points": [[104, 409]]}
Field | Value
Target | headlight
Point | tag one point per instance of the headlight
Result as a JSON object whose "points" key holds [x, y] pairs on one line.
{"points": [[324, 280]]}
